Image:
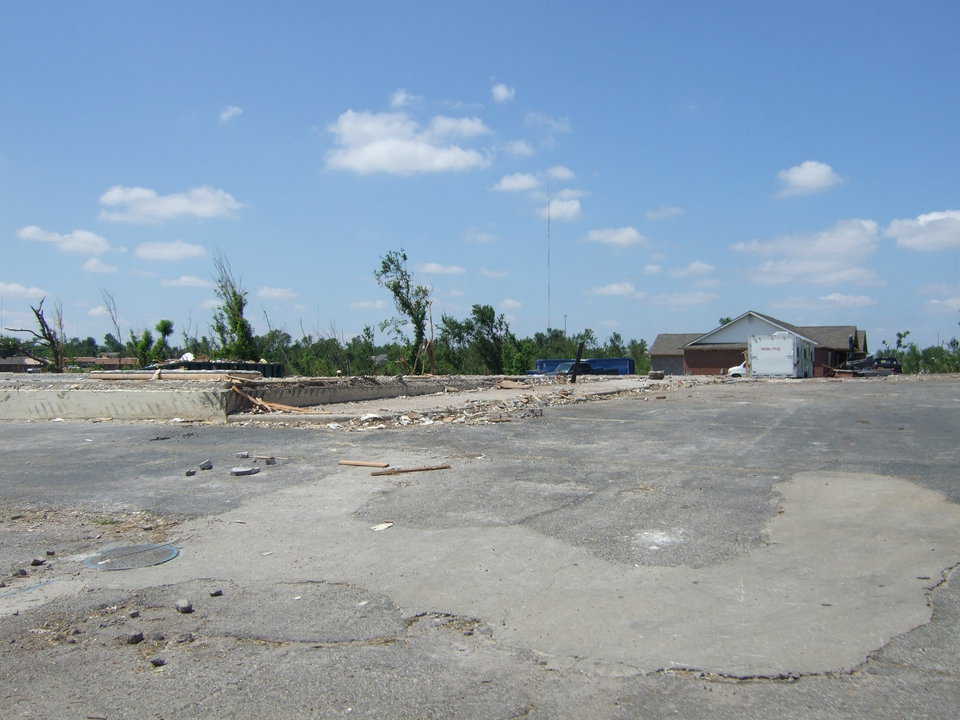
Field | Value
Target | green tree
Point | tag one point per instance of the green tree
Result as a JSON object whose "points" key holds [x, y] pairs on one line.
{"points": [[412, 301], [75, 347], [141, 347], [10, 346], [726, 320], [112, 344], [489, 335], [641, 356], [614, 347], [232, 329], [161, 350]]}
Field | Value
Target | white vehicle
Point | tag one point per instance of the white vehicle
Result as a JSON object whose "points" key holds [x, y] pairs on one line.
{"points": [[780, 354], [738, 371]]}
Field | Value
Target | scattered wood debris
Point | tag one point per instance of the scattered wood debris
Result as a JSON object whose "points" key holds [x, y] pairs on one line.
{"points": [[398, 471], [268, 406], [364, 463]]}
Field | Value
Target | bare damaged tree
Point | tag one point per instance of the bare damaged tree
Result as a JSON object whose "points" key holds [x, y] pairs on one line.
{"points": [[49, 337], [110, 303]]}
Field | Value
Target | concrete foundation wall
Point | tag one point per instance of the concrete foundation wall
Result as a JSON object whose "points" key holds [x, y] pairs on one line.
{"points": [[209, 405], [323, 392], [211, 402]]}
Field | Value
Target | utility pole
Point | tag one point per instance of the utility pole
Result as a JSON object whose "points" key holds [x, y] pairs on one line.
{"points": [[548, 257], [564, 324]]}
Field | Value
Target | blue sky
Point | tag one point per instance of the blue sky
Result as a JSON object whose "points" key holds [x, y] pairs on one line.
{"points": [[701, 159]]}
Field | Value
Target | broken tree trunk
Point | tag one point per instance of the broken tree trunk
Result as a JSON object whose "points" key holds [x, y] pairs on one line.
{"points": [[50, 337]]}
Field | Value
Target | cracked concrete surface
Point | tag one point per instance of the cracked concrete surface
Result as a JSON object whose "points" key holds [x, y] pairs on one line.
{"points": [[738, 552]]}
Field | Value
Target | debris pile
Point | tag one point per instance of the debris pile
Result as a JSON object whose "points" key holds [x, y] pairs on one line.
{"points": [[525, 406]]}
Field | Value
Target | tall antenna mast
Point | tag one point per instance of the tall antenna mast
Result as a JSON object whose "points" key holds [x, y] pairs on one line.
{"points": [[548, 257]]}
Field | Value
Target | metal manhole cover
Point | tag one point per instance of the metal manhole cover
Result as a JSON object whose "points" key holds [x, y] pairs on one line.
{"points": [[129, 557]]}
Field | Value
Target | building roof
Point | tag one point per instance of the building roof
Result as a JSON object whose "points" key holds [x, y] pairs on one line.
{"points": [[832, 337], [769, 318], [671, 343], [19, 360]]}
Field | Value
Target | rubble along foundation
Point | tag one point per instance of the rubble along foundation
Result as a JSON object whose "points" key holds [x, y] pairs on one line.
{"points": [[79, 397]]}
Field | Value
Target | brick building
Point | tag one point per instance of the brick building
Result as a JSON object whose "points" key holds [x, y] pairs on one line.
{"points": [[713, 352]]}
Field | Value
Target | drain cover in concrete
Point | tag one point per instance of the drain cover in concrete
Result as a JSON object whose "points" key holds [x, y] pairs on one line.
{"points": [[128, 557]]}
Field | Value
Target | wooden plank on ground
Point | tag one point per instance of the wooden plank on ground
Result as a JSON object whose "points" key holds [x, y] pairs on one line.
{"points": [[398, 471], [364, 463]]}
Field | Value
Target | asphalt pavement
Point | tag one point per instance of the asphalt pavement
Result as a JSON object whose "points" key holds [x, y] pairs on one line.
{"points": [[751, 550]]}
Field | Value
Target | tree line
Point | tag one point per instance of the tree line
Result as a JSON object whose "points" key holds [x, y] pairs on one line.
{"points": [[480, 343]]}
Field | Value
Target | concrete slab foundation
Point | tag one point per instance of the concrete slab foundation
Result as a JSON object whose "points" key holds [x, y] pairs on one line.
{"points": [[79, 397], [211, 405]]}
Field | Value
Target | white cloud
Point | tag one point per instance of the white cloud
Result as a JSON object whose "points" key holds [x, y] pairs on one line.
{"points": [[945, 304], [493, 274], [442, 127], [664, 212], [168, 251], [401, 98], [546, 122], [652, 269], [928, 232], [510, 304], [618, 289], [824, 302], [807, 178], [210, 304], [695, 269], [520, 148], [478, 237], [81, 242], [516, 183], [368, 305], [847, 301], [618, 237], [682, 300], [834, 256], [20, 291], [276, 293], [560, 172], [143, 205], [948, 296], [394, 143], [187, 281], [98, 311], [503, 93], [564, 210], [229, 113], [96, 265], [432, 268]]}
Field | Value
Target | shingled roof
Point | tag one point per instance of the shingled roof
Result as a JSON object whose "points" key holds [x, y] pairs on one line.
{"points": [[831, 337], [672, 343]]}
